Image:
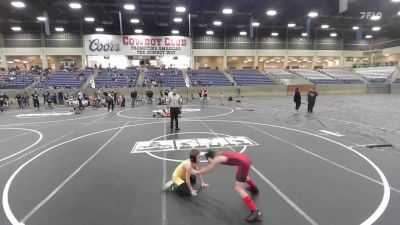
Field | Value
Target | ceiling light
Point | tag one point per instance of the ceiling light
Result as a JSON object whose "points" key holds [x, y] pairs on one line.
{"points": [[313, 14], [18, 4], [368, 36], [175, 31], [243, 33], [356, 28], [41, 18], [387, 54], [271, 12], [291, 25], [324, 26], [10, 61], [180, 9], [138, 31], [16, 28], [217, 23], [396, 1], [227, 11], [274, 34], [333, 34], [17, 60], [24, 61], [376, 28], [398, 13], [177, 20], [135, 20], [304, 34], [89, 19], [59, 29], [209, 32], [75, 5], [129, 6], [255, 24], [376, 17], [100, 29]]}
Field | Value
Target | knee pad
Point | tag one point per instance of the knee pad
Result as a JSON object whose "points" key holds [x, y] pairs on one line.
{"points": [[193, 179]]}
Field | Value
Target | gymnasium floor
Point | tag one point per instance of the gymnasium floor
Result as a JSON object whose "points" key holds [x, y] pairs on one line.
{"points": [[88, 169]]}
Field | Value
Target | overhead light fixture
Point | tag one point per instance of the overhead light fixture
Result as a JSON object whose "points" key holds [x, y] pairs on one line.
{"points": [[271, 12], [395, 1], [18, 4], [227, 11], [59, 29], [41, 18], [16, 28], [398, 13], [274, 34], [313, 14], [324, 26], [209, 32], [100, 29], [356, 28], [10, 61], [24, 61], [387, 55], [175, 31], [376, 17], [217, 23], [135, 20], [333, 34], [255, 24], [368, 36], [304, 34], [180, 9], [17, 60], [243, 33], [138, 31], [89, 19], [291, 25], [177, 20], [129, 6], [376, 28], [272, 60], [75, 5]]}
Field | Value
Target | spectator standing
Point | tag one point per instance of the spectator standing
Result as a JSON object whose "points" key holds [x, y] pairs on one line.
{"points": [[297, 98], [149, 95], [134, 97], [311, 97]]}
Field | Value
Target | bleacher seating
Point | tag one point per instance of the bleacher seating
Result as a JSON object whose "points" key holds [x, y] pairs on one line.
{"points": [[376, 74], [116, 78], [315, 76], [18, 81], [278, 72], [167, 77], [249, 77], [343, 75], [397, 81], [210, 77], [64, 79]]}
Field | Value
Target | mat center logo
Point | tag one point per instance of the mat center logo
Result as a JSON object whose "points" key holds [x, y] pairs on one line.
{"points": [[193, 143]]}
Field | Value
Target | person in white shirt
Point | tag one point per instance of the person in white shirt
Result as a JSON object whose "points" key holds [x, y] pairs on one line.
{"points": [[174, 105]]}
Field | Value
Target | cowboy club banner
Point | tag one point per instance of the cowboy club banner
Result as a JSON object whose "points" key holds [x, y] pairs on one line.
{"points": [[101, 44]]}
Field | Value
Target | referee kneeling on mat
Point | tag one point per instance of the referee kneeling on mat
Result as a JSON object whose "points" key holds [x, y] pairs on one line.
{"points": [[182, 177], [174, 105]]}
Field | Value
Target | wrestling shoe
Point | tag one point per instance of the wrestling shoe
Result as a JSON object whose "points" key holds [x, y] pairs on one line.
{"points": [[255, 215]]}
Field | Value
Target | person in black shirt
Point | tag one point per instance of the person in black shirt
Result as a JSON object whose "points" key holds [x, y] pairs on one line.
{"points": [[297, 98], [311, 96], [134, 97], [19, 100], [3, 99], [149, 94], [35, 99]]}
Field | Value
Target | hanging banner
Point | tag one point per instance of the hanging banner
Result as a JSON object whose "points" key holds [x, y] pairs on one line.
{"points": [[101, 44]]}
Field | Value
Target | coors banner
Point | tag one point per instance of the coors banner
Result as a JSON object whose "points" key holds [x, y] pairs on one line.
{"points": [[101, 44]]}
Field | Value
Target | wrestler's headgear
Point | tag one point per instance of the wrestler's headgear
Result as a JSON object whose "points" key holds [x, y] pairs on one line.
{"points": [[210, 155], [193, 155]]}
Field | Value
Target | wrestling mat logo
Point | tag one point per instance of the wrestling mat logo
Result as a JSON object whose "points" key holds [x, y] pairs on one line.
{"points": [[189, 144]]}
